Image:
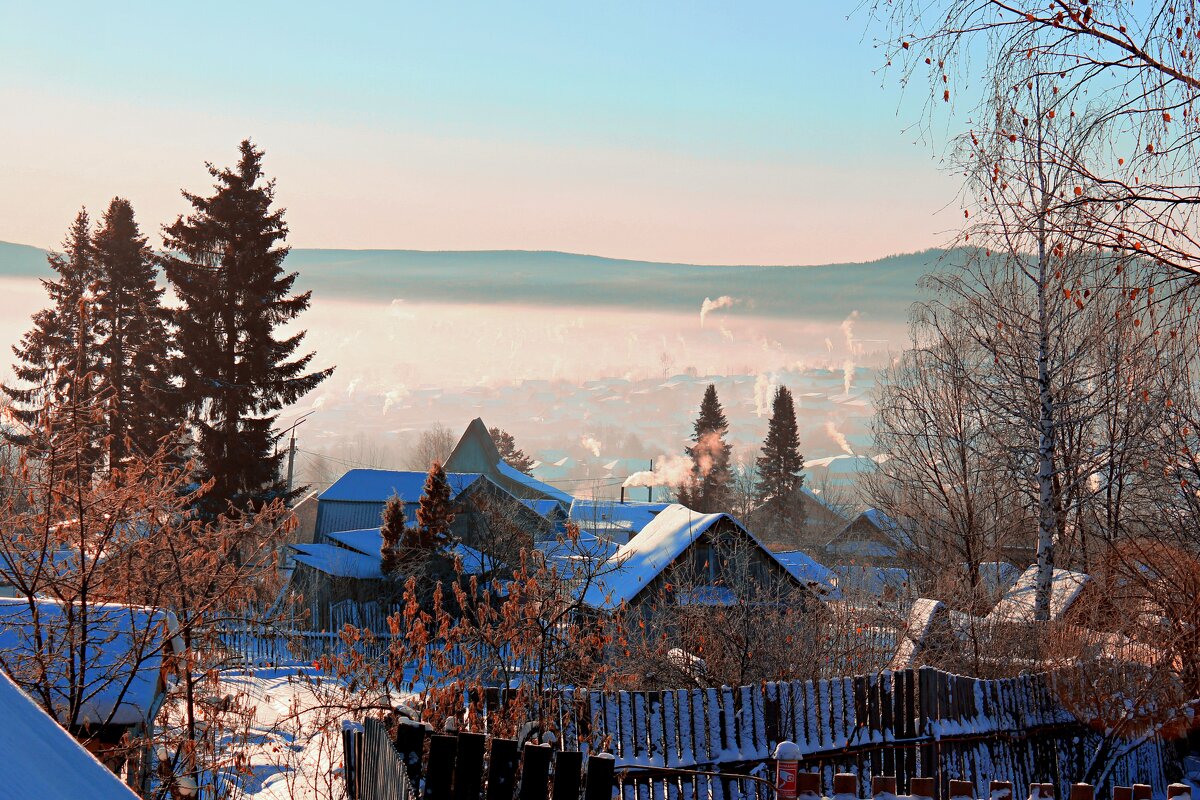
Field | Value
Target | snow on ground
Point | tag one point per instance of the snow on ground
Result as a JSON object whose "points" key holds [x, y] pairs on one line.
{"points": [[287, 744]]}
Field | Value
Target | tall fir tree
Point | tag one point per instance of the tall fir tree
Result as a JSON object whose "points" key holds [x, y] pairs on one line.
{"points": [[133, 338], [708, 488], [780, 464], [392, 531], [435, 514], [57, 358], [224, 262]]}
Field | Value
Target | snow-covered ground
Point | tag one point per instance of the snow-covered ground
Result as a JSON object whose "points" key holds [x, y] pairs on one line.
{"points": [[283, 738]]}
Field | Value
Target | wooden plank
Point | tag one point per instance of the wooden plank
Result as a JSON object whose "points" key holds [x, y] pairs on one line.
{"points": [[568, 768], [886, 721], [502, 769], [598, 784], [770, 714], [468, 778], [410, 744], [439, 772], [535, 773], [670, 721]]}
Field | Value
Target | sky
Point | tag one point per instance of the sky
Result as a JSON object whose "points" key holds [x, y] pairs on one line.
{"points": [[736, 133]]}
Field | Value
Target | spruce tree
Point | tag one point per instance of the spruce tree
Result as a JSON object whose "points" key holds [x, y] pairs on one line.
{"points": [[780, 463], [509, 453], [133, 338], [435, 513], [225, 264], [393, 534], [57, 357], [707, 489]]}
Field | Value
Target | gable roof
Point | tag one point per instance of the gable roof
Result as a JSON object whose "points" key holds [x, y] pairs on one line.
{"points": [[629, 516], [475, 451], [43, 760], [377, 485], [873, 519], [807, 570], [358, 554], [1017, 605], [123, 658], [636, 564]]}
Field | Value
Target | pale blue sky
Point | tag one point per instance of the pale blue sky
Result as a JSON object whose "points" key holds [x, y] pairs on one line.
{"points": [[740, 132]]}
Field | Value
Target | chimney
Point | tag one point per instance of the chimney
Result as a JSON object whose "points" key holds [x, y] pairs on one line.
{"points": [[622, 494]]}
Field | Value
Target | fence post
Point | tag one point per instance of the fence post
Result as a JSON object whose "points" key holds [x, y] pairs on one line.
{"points": [[922, 788], [1001, 790], [845, 784], [1179, 790], [961, 789], [352, 736], [502, 769], [439, 773], [883, 785], [1122, 793], [535, 772], [1142, 791], [599, 782], [568, 769], [1082, 791], [468, 766]]}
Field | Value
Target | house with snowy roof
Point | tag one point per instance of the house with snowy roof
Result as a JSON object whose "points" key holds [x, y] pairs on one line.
{"points": [[683, 556], [476, 453], [105, 686], [617, 520], [870, 539], [343, 563], [819, 520]]}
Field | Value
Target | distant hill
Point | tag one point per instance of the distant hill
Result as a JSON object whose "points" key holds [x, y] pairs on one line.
{"points": [[883, 288]]}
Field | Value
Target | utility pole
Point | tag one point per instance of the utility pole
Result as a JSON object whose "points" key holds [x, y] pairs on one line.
{"points": [[292, 447]]}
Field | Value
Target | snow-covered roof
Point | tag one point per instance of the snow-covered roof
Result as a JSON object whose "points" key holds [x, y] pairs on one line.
{"points": [[920, 620], [846, 543], [638, 562], [377, 485], [361, 553], [631, 516], [43, 760], [815, 497], [806, 569], [514, 474], [1017, 605], [121, 660], [543, 508], [340, 562]]}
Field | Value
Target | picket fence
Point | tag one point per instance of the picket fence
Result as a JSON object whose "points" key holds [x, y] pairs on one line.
{"points": [[904, 724]]}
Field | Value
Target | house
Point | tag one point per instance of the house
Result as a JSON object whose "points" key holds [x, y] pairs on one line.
{"points": [[820, 521], [105, 687], [345, 572], [618, 521], [692, 558], [476, 453], [43, 760], [356, 500], [343, 564], [870, 539], [1017, 604]]}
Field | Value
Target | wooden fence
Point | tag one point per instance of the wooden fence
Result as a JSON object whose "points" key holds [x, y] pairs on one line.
{"points": [[906, 724], [466, 766]]}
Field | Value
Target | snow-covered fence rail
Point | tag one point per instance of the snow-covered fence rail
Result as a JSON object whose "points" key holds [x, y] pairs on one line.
{"points": [[905, 724]]}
